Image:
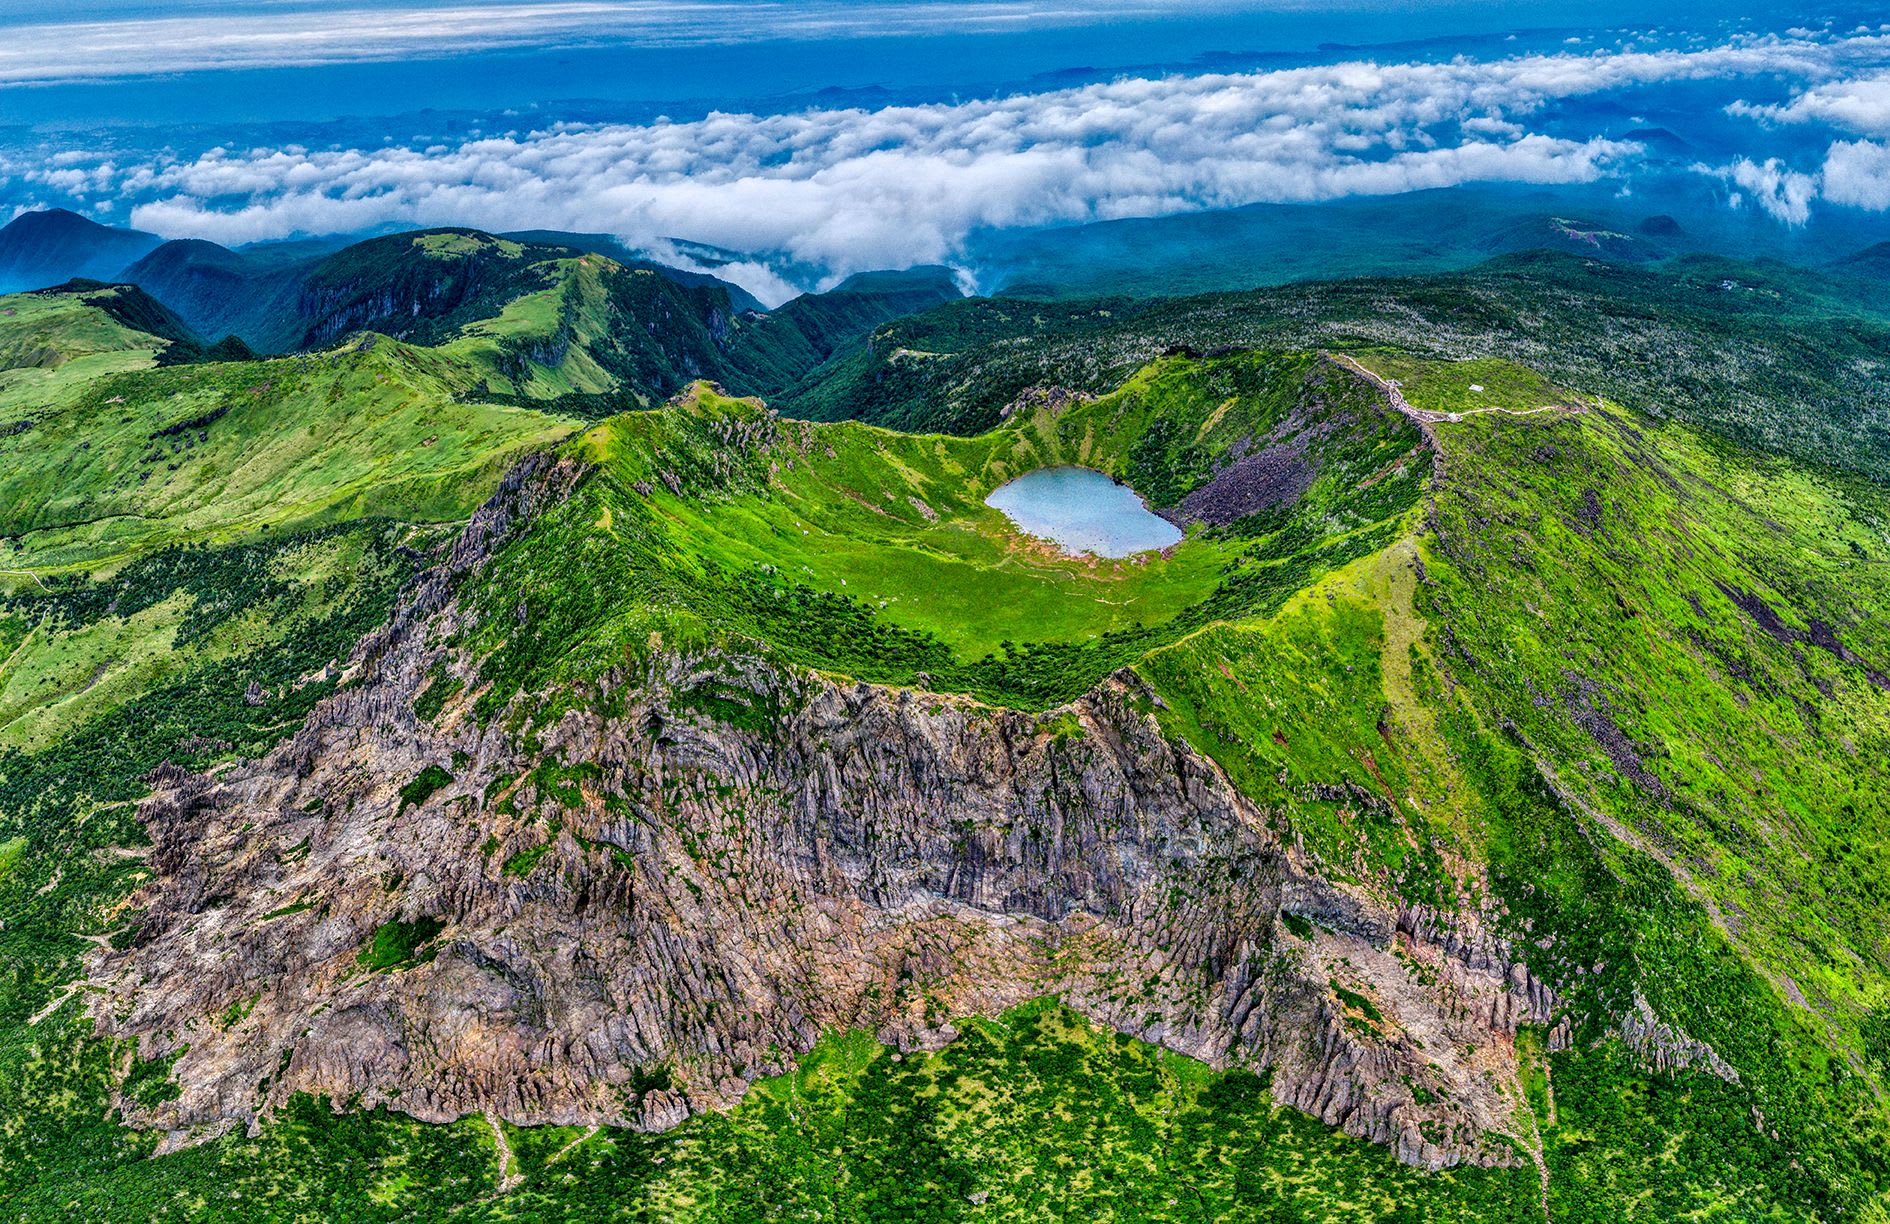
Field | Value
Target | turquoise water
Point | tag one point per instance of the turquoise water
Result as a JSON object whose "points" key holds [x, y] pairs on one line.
{"points": [[1084, 511]]}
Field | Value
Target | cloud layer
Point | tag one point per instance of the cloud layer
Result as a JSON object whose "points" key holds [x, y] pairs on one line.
{"points": [[301, 35], [847, 189], [844, 190], [1859, 104]]}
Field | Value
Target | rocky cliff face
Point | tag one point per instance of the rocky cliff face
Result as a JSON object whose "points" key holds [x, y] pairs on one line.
{"points": [[625, 912], [337, 308]]}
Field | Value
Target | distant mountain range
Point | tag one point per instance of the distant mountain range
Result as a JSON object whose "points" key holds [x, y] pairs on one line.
{"points": [[1446, 230], [278, 296], [292, 295], [38, 249], [583, 324], [572, 317]]}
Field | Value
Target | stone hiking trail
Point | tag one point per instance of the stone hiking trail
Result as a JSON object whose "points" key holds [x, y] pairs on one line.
{"points": [[1432, 416]]}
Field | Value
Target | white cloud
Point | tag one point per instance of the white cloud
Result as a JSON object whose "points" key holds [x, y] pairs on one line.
{"points": [[1860, 104], [850, 189], [1784, 194], [844, 190], [1857, 173], [304, 34]]}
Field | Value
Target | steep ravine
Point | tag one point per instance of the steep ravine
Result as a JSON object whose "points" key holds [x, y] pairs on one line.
{"points": [[643, 906]]}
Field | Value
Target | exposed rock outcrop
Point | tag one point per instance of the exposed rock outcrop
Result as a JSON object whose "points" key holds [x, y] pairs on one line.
{"points": [[627, 912], [1667, 1048]]}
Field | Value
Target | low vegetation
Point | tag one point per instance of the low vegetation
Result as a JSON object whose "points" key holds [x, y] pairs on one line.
{"points": [[105, 456], [1616, 681], [1762, 355], [1027, 1116], [870, 553]]}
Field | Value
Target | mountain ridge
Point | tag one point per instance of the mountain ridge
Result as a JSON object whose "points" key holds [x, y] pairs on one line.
{"points": [[56, 245], [1493, 773]]}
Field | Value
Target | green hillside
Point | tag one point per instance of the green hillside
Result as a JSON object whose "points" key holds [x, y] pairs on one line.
{"points": [[568, 316], [1598, 675], [131, 489], [42, 334], [1599, 670], [512, 340], [1762, 354], [872, 553], [254, 295], [106, 452], [600, 336]]}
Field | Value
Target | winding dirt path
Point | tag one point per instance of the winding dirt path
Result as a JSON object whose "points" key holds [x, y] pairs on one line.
{"points": [[1542, 1166], [58, 1001], [509, 1176], [1429, 416], [558, 1155]]}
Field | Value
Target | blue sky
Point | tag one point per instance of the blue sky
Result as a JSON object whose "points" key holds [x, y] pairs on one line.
{"points": [[828, 137]]}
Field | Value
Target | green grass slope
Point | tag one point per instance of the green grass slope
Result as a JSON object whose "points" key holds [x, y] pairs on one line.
{"points": [[1767, 356], [1629, 684], [41, 334], [871, 553], [1611, 680], [103, 454]]}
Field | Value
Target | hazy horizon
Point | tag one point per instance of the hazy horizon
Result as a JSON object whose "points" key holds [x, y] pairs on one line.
{"points": [[816, 139]]}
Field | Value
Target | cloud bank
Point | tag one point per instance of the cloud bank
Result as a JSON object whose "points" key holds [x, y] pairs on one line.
{"points": [[1857, 173], [1860, 104], [849, 189]]}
